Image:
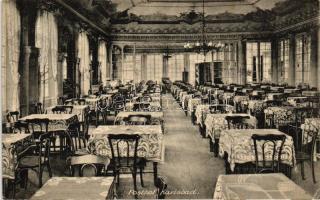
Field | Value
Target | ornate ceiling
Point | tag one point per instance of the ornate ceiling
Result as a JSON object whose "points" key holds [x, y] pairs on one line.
{"points": [[175, 7], [183, 17]]}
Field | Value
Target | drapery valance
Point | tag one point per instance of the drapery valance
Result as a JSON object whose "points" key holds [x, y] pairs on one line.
{"points": [[10, 52]]}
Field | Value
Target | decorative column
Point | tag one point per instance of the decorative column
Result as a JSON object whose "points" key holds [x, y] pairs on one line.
{"points": [[225, 66], [165, 66], [110, 48], [258, 67], [28, 57], [292, 64], [242, 69], [274, 65], [187, 65], [122, 62], [134, 62], [313, 57]]}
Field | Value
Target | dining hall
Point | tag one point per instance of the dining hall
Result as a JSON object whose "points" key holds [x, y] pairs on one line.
{"points": [[160, 99]]}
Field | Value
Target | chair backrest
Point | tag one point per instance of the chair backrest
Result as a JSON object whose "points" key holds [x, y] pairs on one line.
{"points": [[219, 108], [61, 100], [139, 119], [118, 106], [68, 102], [142, 106], [146, 98], [22, 127], [7, 128], [269, 149], [40, 148], [62, 109], [236, 121], [303, 113], [103, 104], [308, 142], [38, 126], [38, 108], [79, 101], [118, 98], [124, 147], [13, 116]]}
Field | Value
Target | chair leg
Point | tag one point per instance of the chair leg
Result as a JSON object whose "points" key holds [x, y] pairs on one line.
{"points": [[79, 141], [40, 176], [302, 170], [155, 172], [134, 176], [141, 176], [210, 145], [26, 178], [13, 189], [312, 168], [216, 147], [97, 118], [49, 169]]}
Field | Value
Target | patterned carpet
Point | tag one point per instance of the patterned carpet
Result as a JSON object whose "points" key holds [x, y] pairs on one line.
{"points": [[190, 169]]}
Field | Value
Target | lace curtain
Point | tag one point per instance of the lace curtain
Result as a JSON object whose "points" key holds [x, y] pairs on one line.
{"points": [[10, 32], [103, 61], [47, 41], [84, 67]]}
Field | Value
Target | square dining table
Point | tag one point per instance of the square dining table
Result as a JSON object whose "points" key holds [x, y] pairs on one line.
{"points": [[258, 186], [216, 123], [80, 188], [10, 142], [151, 145], [80, 110], [236, 146], [57, 122]]}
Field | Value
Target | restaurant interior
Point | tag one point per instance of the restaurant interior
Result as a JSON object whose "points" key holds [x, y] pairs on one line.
{"points": [[160, 99]]}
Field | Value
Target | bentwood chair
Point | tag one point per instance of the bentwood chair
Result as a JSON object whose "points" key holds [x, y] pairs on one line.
{"points": [[124, 150], [218, 108], [21, 127], [141, 106], [13, 116], [139, 119], [38, 108], [268, 150], [62, 109], [305, 143], [36, 157], [37, 127], [236, 122]]}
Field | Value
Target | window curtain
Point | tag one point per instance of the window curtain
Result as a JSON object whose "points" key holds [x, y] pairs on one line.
{"points": [[47, 42], [103, 62], [10, 31], [84, 67]]}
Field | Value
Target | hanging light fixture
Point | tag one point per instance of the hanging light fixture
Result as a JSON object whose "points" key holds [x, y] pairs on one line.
{"points": [[203, 46]]}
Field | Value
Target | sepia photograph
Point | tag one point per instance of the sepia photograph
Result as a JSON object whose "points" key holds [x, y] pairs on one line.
{"points": [[160, 99]]}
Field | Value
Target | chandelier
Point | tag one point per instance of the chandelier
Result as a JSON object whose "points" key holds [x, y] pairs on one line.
{"points": [[203, 46]]}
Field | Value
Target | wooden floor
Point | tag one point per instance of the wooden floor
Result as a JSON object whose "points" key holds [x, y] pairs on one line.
{"points": [[189, 167]]}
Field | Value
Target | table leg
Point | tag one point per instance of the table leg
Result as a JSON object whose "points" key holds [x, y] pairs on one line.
{"points": [[155, 172]]}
